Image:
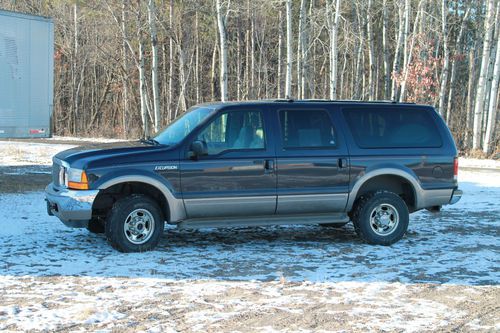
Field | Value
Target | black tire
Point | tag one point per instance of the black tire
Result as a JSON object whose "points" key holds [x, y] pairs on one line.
{"points": [[374, 217], [333, 225], [96, 226], [142, 216]]}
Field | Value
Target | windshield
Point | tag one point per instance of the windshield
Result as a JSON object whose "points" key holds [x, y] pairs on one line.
{"points": [[182, 126]]}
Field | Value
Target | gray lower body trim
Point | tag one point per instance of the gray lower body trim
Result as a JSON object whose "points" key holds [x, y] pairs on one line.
{"points": [[265, 220], [72, 207], [430, 198], [311, 203], [230, 206], [456, 196]]}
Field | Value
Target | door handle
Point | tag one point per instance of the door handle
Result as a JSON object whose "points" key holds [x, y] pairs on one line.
{"points": [[269, 165], [342, 163]]}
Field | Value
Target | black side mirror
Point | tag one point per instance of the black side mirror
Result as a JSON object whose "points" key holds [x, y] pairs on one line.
{"points": [[198, 148]]}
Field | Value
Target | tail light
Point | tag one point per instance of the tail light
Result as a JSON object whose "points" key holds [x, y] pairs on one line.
{"points": [[455, 168]]}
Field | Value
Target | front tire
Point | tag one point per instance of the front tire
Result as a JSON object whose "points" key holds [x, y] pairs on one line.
{"points": [[96, 226], [381, 218], [135, 224]]}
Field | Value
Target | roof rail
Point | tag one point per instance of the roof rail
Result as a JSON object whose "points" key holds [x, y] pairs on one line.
{"points": [[315, 100], [289, 100]]}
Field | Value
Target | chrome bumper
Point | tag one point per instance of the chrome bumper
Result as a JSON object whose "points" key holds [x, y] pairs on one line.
{"points": [[457, 195], [72, 207]]}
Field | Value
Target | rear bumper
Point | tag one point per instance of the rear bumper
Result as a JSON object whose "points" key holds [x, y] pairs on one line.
{"points": [[72, 207], [456, 196]]}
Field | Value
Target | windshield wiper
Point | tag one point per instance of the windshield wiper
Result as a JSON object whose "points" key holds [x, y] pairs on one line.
{"points": [[150, 141]]}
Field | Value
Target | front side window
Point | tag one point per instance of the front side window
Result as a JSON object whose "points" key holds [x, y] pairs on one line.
{"points": [[182, 126], [234, 130], [307, 129]]}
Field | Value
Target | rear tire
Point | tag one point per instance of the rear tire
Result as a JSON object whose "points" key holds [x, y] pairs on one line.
{"points": [[381, 218], [135, 224]]}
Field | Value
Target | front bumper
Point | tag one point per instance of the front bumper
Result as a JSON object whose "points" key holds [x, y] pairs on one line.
{"points": [[456, 196], [72, 207]]}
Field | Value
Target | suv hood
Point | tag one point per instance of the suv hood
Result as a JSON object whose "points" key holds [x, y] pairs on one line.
{"points": [[105, 150]]}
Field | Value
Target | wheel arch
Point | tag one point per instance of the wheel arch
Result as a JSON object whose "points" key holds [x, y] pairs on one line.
{"points": [[172, 207], [394, 180]]}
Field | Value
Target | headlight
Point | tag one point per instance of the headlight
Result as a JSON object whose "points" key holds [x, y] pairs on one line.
{"points": [[76, 179]]}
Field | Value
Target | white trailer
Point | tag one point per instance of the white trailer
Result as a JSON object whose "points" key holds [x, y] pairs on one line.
{"points": [[26, 75]]}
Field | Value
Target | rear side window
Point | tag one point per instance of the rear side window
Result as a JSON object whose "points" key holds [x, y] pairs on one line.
{"points": [[392, 128], [307, 129]]}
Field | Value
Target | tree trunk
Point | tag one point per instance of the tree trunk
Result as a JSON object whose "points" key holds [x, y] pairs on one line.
{"points": [[333, 22], [493, 104], [300, 48], [125, 69], [238, 63], [280, 46], [221, 23], [288, 82], [197, 60], [213, 80], [371, 53], [408, 57], [480, 94], [397, 54], [142, 90], [446, 55], [154, 65], [182, 103], [75, 68], [489, 77], [170, 59], [385, 50], [458, 50], [470, 98]]}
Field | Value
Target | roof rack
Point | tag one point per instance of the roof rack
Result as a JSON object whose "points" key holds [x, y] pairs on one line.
{"points": [[290, 100]]}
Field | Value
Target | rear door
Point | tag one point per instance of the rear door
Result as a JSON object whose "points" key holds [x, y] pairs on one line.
{"points": [[237, 177], [312, 160]]}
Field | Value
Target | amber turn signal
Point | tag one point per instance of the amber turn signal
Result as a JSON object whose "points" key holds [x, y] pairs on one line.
{"points": [[83, 184]]}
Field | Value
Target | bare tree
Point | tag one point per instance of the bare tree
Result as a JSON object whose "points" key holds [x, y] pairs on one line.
{"points": [[458, 50], [493, 102], [154, 67], [371, 53], [480, 94], [446, 56], [300, 49], [333, 20], [288, 81], [399, 43], [221, 23]]}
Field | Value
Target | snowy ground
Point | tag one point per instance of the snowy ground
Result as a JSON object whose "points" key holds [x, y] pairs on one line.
{"points": [[443, 276]]}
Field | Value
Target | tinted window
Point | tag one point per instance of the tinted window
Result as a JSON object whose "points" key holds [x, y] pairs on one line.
{"points": [[392, 128], [307, 129], [234, 130]]}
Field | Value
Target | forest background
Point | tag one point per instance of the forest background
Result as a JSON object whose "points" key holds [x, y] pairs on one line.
{"points": [[128, 68]]}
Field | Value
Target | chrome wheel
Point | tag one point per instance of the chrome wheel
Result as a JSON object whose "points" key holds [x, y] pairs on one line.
{"points": [[139, 226], [384, 219]]}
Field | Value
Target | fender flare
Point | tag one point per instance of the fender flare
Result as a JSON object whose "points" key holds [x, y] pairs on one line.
{"points": [[417, 189], [175, 205]]}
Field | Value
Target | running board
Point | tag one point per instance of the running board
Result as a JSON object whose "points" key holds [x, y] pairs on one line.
{"points": [[264, 220]]}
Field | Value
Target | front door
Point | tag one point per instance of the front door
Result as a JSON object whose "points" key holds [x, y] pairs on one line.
{"points": [[237, 177], [312, 162]]}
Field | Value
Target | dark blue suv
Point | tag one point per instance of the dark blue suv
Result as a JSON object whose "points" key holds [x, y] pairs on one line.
{"points": [[263, 163]]}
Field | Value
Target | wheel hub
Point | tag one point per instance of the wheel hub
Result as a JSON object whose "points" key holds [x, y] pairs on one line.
{"points": [[139, 226], [384, 219]]}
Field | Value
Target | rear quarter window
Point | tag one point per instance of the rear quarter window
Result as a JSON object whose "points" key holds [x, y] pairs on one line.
{"points": [[393, 128]]}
